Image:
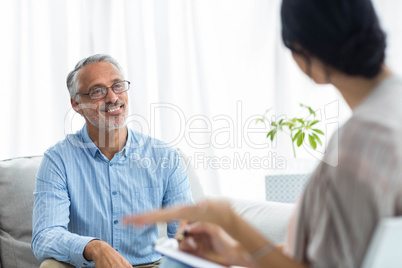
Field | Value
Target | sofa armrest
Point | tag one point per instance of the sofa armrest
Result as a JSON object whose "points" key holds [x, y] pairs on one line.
{"points": [[52, 263]]}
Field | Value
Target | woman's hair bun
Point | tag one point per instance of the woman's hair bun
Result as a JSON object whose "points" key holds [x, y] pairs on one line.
{"points": [[362, 54]]}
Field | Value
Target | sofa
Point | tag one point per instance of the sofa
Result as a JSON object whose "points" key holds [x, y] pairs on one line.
{"points": [[17, 183]]}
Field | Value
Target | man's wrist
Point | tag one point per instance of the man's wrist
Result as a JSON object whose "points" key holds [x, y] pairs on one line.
{"points": [[91, 249]]}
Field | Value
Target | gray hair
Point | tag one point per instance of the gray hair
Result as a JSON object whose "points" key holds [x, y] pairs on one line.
{"points": [[72, 78]]}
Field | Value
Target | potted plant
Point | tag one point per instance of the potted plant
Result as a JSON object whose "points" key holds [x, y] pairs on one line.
{"points": [[286, 187], [299, 129]]}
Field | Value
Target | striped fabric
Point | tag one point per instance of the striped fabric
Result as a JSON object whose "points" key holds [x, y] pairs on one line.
{"points": [[80, 195]]}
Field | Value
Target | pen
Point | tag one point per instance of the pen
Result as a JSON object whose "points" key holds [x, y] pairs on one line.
{"points": [[182, 236]]}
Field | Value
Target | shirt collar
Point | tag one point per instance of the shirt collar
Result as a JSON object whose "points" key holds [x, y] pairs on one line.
{"points": [[88, 142], [128, 142], [93, 149]]}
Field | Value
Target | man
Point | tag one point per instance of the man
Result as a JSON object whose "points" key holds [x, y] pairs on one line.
{"points": [[89, 181]]}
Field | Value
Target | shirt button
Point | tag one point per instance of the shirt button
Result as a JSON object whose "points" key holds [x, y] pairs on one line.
{"points": [[110, 164], [114, 193], [116, 222]]}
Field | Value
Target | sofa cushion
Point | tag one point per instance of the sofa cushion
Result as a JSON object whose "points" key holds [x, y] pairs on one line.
{"points": [[17, 183], [271, 219]]}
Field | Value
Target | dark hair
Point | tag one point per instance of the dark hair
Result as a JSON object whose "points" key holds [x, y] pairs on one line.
{"points": [[344, 34]]}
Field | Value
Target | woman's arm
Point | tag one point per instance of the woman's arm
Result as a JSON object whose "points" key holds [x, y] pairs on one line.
{"points": [[252, 241], [221, 213]]}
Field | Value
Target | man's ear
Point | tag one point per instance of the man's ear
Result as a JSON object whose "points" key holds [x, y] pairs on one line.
{"points": [[76, 106]]}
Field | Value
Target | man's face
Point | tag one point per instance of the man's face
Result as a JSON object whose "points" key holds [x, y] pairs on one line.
{"points": [[104, 114]]}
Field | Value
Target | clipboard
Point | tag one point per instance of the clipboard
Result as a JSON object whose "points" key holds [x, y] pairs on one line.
{"points": [[170, 247]]}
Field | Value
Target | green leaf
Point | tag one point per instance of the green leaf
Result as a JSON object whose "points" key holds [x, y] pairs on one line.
{"points": [[300, 120], [314, 122], [318, 131], [269, 133], [273, 134], [317, 138], [311, 111], [312, 141], [289, 124], [295, 136], [273, 124], [300, 139], [281, 125]]}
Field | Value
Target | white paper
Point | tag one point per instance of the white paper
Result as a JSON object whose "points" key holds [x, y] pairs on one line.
{"points": [[169, 247]]}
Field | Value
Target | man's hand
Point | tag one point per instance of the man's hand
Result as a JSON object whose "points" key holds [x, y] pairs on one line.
{"points": [[104, 255]]}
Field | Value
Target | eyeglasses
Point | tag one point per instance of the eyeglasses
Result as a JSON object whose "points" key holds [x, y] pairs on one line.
{"points": [[101, 92]]}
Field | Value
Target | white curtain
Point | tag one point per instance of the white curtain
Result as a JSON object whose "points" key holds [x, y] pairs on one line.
{"points": [[200, 71]]}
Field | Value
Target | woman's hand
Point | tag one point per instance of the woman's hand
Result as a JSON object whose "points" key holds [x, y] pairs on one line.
{"points": [[214, 211], [207, 239], [211, 242]]}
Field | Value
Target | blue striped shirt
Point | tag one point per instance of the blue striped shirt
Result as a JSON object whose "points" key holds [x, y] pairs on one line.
{"points": [[80, 195]]}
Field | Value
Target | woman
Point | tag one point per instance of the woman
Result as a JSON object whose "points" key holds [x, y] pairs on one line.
{"points": [[341, 43]]}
